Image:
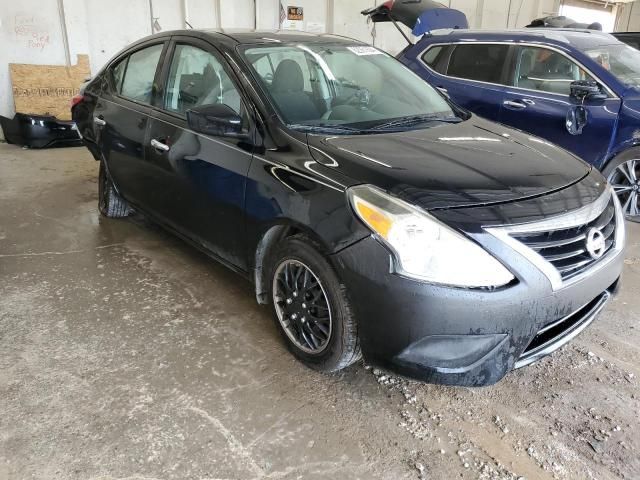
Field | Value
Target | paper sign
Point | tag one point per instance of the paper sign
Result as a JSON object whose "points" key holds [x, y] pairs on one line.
{"points": [[293, 25], [294, 13], [316, 27], [361, 51]]}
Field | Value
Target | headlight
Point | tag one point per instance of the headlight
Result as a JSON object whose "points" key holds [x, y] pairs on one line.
{"points": [[423, 247]]}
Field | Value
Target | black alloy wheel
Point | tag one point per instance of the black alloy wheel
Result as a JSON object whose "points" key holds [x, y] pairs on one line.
{"points": [[311, 306], [301, 306]]}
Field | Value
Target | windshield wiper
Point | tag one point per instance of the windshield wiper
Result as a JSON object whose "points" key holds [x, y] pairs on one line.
{"points": [[324, 128], [414, 119]]}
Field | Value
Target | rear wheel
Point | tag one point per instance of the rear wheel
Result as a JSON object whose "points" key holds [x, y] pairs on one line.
{"points": [[110, 203], [311, 307], [623, 173]]}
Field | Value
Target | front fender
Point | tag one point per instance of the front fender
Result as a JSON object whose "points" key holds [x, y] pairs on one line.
{"points": [[278, 194], [628, 134]]}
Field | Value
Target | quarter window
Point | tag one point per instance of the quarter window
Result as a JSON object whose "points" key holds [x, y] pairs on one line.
{"points": [[117, 74], [139, 74], [197, 78], [546, 70], [481, 62]]}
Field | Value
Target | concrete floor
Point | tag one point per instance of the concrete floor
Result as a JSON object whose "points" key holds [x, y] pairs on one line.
{"points": [[125, 354]]}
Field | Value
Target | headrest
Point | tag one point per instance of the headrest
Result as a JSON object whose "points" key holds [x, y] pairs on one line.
{"points": [[288, 77]]}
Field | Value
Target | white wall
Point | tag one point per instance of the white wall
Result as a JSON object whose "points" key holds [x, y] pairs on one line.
{"points": [[106, 38], [237, 13], [29, 33], [629, 17], [30, 30]]}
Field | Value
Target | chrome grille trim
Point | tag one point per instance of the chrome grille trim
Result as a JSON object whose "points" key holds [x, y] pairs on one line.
{"points": [[584, 215], [566, 249]]}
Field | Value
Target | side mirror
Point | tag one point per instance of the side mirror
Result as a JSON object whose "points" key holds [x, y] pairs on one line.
{"points": [[586, 90], [218, 120], [577, 119]]}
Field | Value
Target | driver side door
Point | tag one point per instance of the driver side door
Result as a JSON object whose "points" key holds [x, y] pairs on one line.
{"points": [[538, 100], [199, 180]]}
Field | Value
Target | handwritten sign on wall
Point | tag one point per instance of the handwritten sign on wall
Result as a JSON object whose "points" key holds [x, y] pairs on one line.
{"points": [[47, 89], [31, 31]]}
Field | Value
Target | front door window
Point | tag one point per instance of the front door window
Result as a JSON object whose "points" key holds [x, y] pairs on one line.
{"points": [[197, 78], [546, 71]]}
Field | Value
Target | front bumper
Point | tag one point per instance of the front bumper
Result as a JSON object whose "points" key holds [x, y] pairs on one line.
{"points": [[468, 337]]}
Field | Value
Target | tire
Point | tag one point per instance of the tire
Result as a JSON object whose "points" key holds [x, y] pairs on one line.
{"points": [[110, 203], [623, 172], [326, 347]]}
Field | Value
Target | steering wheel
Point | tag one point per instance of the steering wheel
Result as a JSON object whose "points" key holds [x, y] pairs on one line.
{"points": [[361, 97]]}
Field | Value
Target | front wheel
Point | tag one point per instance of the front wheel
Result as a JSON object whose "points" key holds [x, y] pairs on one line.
{"points": [[623, 173], [311, 307]]}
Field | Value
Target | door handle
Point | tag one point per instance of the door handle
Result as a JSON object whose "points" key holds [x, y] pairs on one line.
{"points": [[99, 121], [443, 90], [158, 145], [518, 105]]}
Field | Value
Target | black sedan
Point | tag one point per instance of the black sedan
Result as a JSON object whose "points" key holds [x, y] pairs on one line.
{"points": [[372, 214]]}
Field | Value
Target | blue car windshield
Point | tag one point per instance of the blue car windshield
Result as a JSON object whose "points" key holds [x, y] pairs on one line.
{"points": [[345, 88], [621, 60]]}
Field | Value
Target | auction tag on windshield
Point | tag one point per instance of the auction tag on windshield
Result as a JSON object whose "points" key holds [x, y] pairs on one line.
{"points": [[365, 51]]}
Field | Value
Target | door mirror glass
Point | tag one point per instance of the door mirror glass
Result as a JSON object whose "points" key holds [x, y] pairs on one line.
{"points": [[587, 90], [217, 119], [577, 119]]}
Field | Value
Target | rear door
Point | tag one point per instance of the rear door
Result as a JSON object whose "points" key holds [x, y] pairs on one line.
{"points": [[199, 180], [538, 101], [121, 118], [473, 75]]}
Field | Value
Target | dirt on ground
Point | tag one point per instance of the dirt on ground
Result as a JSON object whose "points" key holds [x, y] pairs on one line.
{"points": [[126, 354]]}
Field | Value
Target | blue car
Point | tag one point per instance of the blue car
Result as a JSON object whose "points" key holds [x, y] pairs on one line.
{"points": [[579, 89]]}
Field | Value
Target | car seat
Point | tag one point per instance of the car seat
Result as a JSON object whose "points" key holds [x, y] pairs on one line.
{"points": [[288, 92]]}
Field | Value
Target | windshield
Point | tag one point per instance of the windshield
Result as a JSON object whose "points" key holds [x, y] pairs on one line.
{"points": [[345, 88], [621, 60]]}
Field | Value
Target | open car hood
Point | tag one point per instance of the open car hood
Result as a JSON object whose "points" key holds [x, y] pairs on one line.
{"points": [[421, 16]]}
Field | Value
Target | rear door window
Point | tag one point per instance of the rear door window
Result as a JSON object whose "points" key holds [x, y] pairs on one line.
{"points": [[546, 70], [139, 74], [480, 62], [433, 57]]}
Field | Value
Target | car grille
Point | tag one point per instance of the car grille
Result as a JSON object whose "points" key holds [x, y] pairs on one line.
{"points": [[559, 332], [566, 249]]}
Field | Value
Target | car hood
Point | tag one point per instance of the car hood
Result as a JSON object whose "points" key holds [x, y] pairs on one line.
{"points": [[475, 162]]}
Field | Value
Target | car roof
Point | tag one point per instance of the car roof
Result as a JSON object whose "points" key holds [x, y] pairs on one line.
{"points": [[246, 36], [581, 39], [285, 36]]}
